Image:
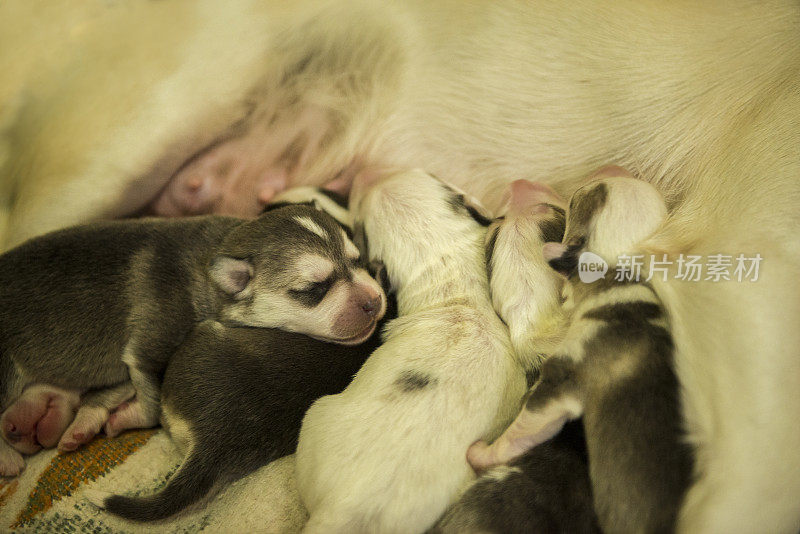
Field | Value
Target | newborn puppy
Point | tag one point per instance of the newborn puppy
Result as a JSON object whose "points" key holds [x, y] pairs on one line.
{"points": [[95, 406], [526, 293], [94, 306], [615, 368], [548, 488], [233, 398], [387, 454]]}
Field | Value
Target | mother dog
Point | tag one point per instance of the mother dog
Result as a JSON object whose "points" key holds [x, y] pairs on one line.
{"points": [[111, 109]]}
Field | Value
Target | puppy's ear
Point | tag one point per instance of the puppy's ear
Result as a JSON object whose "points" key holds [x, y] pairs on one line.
{"points": [[562, 258], [232, 275]]}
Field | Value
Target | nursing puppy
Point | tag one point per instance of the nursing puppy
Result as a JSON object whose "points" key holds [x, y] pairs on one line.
{"points": [[547, 489], [388, 453], [526, 292], [94, 306], [195, 106], [615, 368]]}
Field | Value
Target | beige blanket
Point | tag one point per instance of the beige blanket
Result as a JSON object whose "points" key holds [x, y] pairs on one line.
{"points": [[49, 496]]}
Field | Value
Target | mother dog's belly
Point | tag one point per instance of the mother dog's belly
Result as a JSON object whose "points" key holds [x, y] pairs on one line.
{"points": [[218, 109]]}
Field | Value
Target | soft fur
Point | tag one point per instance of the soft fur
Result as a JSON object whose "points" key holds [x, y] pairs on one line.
{"points": [[615, 368], [526, 292], [102, 103], [548, 488], [388, 453], [97, 305], [233, 400]]}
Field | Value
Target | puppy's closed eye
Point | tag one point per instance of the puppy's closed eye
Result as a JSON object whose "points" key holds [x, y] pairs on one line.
{"points": [[312, 294]]}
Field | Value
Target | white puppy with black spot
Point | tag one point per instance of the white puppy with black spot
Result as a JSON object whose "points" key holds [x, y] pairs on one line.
{"points": [[388, 453]]}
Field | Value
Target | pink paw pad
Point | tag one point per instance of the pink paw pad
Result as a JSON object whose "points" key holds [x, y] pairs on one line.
{"points": [[129, 415], [38, 418], [11, 462], [87, 425]]}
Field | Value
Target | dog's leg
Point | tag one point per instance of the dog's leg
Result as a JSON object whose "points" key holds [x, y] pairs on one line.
{"points": [[93, 413], [551, 402], [11, 461], [39, 417], [144, 410]]}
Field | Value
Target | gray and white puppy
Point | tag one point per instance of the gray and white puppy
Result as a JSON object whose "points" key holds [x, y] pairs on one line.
{"points": [[233, 401], [233, 398], [97, 305], [615, 368]]}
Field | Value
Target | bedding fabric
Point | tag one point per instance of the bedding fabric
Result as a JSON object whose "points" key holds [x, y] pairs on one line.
{"points": [[49, 496]]}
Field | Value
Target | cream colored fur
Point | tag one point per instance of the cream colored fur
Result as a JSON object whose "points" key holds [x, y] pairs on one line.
{"points": [[100, 103], [388, 454]]}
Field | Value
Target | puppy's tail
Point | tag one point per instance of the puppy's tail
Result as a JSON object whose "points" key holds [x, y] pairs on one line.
{"points": [[191, 482]]}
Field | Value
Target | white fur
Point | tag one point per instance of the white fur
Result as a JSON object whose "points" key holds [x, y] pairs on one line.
{"points": [[632, 212], [312, 227], [376, 458], [699, 98], [296, 195], [313, 268], [526, 292]]}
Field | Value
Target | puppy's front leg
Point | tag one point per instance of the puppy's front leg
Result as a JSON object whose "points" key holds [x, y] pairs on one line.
{"points": [[143, 411], [11, 461], [550, 403], [94, 412]]}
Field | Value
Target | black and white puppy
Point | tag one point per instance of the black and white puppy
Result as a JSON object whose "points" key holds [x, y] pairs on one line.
{"points": [[615, 368], [94, 306], [546, 490], [388, 453]]}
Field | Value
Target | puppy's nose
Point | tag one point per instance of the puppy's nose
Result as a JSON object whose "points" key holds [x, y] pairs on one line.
{"points": [[371, 306]]}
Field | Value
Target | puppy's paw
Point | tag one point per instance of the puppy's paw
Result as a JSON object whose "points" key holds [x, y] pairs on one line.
{"points": [[11, 462], [479, 457], [87, 425], [129, 415]]}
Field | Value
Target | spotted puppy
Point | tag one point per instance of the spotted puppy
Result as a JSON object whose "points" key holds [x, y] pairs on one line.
{"points": [[92, 307], [615, 368], [387, 454]]}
